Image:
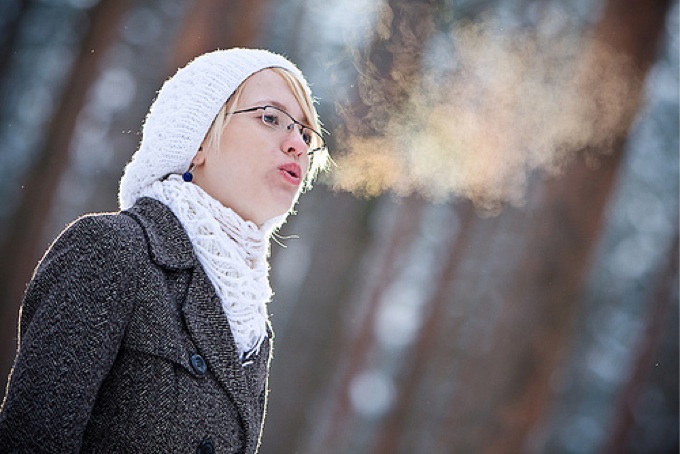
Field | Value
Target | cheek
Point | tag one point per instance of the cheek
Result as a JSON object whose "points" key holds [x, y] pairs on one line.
{"points": [[305, 162], [236, 158]]}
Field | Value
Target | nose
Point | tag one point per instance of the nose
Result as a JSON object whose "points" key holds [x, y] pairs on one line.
{"points": [[293, 142]]}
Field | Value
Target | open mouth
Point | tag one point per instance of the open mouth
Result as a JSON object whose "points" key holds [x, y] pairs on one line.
{"points": [[291, 171]]}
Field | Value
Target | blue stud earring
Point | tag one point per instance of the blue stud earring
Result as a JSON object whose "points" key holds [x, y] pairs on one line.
{"points": [[188, 176]]}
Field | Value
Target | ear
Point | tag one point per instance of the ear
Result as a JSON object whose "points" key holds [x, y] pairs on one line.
{"points": [[199, 157]]}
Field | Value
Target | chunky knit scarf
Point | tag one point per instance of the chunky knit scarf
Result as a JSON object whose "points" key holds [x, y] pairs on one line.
{"points": [[233, 253]]}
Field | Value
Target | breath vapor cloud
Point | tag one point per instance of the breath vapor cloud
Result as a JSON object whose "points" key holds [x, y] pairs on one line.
{"points": [[489, 108]]}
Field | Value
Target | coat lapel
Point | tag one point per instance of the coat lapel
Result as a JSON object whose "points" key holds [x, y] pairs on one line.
{"points": [[210, 331], [208, 327]]}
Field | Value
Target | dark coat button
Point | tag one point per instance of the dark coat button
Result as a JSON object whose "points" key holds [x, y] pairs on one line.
{"points": [[199, 365], [206, 447]]}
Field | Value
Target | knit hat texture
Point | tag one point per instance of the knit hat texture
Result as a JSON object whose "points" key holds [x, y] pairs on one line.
{"points": [[183, 111]]}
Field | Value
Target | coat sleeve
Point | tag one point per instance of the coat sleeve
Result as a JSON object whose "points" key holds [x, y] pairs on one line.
{"points": [[72, 322]]}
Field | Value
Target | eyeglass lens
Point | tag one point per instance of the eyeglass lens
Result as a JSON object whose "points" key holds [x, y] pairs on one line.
{"points": [[272, 116]]}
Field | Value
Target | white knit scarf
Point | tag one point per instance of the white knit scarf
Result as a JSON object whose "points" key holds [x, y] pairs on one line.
{"points": [[233, 253]]}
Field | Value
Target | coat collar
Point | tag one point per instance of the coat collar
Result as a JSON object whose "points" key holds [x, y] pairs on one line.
{"points": [[169, 244]]}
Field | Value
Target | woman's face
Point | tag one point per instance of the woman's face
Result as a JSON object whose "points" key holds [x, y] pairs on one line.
{"points": [[257, 170]]}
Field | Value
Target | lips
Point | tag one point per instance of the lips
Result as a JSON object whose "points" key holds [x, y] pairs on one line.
{"points": [[291, 172]]}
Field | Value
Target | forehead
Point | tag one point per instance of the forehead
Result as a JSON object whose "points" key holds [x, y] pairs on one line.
{"points": [[268, 88]]}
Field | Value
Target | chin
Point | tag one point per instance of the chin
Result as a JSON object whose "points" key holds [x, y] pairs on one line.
{"points": [[268, 215], [279, 205], [285, 205]]}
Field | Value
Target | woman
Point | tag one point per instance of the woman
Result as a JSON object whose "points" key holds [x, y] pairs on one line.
{"points": [[146, 330]]}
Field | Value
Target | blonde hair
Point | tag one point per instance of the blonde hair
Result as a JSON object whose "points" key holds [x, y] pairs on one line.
{"points": [[319, 159]]}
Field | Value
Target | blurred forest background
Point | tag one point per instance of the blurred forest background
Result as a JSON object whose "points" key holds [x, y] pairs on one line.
{"points": [[491, 267]]}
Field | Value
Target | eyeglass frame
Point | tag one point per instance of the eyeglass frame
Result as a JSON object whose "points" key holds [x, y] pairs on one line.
{"points": [[288, 127]]}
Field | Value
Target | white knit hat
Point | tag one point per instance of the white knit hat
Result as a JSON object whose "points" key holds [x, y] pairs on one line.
{"points": [[183, 111]]}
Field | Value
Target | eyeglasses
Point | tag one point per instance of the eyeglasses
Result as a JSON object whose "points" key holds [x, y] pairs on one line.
{"points": [[277, 119]]}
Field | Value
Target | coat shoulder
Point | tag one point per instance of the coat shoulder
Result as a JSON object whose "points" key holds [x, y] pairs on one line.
{"points": [[102, 231]]}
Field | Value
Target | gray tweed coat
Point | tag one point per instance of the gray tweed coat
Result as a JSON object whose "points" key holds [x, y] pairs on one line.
{"points": [[123, 347]]}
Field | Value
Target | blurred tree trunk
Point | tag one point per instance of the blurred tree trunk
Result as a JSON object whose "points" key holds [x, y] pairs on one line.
{"points": [[389, 70], [660, 305], [9, 35], [216, 24], [20, 251], [406, 223], [539, 258], [307, 324], [390, 67]]}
